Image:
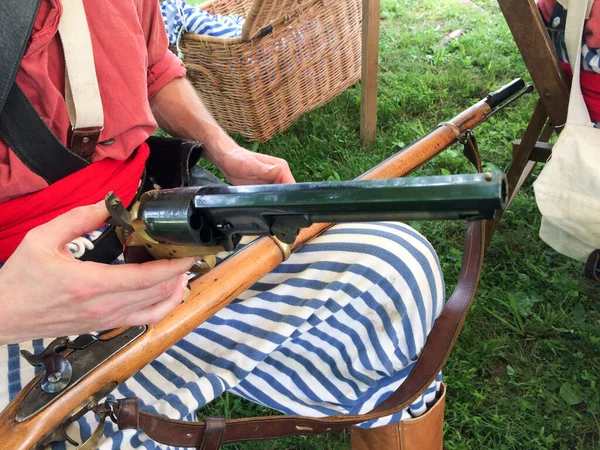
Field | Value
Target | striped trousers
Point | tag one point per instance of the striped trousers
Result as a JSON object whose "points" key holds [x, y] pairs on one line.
{"points": [[335, 329]]}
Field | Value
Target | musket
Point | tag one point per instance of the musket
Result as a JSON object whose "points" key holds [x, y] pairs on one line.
{"points": [[81, 372]]}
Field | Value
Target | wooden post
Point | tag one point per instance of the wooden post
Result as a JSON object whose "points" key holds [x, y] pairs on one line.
{"points": [[520, 162], [370, 68], [531, 37]]}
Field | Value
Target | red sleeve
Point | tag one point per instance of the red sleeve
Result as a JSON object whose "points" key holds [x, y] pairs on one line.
{"points": [[163, 65]]}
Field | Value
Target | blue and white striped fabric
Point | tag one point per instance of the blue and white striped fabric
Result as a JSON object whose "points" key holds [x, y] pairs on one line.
{"points": [[335, 329], [590, 57], [180, 18]]}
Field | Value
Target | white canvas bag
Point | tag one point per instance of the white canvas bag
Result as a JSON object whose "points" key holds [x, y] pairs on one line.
{"points": [[567, 191]]}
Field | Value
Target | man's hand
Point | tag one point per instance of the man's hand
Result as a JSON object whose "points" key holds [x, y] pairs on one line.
{"points": [[180, 112], [46, 292], [242, 167]]}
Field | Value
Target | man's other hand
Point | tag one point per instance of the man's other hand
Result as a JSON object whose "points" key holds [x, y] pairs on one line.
{"points": [[46, 292], [243, 167]]}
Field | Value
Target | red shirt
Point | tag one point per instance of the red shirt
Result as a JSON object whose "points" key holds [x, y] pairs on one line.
{"points": [[592, 24], [132, 64], [589, 80]]}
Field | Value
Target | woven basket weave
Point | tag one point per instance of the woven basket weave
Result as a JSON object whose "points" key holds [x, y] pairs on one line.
{"points": [[293, 56]]}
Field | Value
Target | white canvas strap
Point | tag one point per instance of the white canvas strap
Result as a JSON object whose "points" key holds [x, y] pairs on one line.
{"points": [[565, 4], [577, 13], [82, 93]]}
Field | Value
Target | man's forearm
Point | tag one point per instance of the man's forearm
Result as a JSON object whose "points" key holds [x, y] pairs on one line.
{"points": [[179, 111]]}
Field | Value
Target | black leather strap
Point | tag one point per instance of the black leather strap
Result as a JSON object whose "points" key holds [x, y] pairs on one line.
{"points": [[16, 22], [172, 162], [21, 126], [106, 249], [32, 141]]}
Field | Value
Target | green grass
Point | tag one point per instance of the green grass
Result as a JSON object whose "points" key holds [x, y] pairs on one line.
{"points": [[525, 371]]}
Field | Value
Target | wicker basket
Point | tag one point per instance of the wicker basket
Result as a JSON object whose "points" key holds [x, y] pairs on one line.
{"points": [[293, 56]]}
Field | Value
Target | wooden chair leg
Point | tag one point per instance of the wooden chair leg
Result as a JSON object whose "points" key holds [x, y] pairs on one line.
{"points": [[540, 153], [521, 160], [529, 33]]}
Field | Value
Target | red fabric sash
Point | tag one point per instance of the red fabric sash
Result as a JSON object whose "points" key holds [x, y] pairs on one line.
{"points": [[590, 88], [85, 187]]}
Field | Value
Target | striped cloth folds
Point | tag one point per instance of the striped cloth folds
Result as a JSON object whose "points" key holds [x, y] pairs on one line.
{"points": [[590, 57], [181, 18], [335, 329]]}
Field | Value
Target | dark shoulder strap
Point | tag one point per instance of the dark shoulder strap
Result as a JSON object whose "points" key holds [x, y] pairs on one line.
{"points": [[16, 23], [21, 126], [31, 140]]}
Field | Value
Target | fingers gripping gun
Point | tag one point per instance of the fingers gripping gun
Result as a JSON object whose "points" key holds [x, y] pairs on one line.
{"points": [[207, 220]]}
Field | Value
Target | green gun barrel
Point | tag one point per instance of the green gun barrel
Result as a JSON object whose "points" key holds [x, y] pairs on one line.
{"points": [[221, 215]]}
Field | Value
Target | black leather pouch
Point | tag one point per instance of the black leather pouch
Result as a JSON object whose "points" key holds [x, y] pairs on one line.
{"points": [[173, 163]]}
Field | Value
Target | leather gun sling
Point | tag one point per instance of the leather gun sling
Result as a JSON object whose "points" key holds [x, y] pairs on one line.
{"points": [[21, 126], [211, 434], [214, 432]]}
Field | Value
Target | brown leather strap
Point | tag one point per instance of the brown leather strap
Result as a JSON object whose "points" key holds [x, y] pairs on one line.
{"points": [[592, 267], [127, 410], [433, 357], [84, 141], [471, 149], [214, 433]]}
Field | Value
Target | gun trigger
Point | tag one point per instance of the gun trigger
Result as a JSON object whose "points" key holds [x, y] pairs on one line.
{"points": [[66, 437], [58, 435]]}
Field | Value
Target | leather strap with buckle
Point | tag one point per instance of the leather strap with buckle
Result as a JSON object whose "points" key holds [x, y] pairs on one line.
{"points": [[84, 141], [82, 93]]}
